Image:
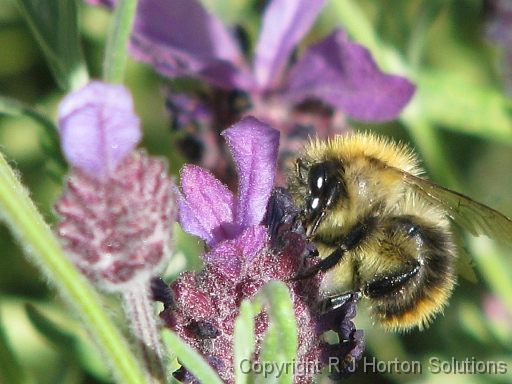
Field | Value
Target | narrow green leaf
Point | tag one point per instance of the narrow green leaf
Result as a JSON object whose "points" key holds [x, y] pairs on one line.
{"points": [[462, 106], [191, 359], [243, 342], [54, 25], [12, 107], [279, 347], [271, 358], [426, 15]]}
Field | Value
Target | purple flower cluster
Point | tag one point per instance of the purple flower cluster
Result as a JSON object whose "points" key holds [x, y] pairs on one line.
{"points": [[331, 79], [181, 39], [242, 255], [350, 348]]}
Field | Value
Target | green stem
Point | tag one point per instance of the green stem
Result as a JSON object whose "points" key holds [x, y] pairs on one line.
{"points": [[26, 223], [116, 52], [426, 14], [139, 311], [191, 359]]}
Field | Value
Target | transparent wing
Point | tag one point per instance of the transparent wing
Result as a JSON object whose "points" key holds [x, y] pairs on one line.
{"points": [[464, 265], [474, 217]]}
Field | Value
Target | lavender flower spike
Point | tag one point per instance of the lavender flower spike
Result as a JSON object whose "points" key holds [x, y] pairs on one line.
{"points": [[118, 211], [98, 127], [249, 245]]}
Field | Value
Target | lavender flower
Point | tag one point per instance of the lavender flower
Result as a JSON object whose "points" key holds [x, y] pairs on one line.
{"points": [[118, 211], [332, 78], [117, 214], [342, 357], [242, 255]]}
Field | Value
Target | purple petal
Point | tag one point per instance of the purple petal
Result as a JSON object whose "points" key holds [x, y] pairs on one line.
{"points": [[254, 146], [206, 206], [285, 22], [98, 127], [179, 38], [106, 3], [232, 254], [344, 75], [186, 109]]}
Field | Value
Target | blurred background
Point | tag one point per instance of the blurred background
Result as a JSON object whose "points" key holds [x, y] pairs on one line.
{"points": [[459, 55]]}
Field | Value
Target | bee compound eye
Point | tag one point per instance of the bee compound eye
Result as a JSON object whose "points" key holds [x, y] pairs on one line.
{"points": [[317, 179]]}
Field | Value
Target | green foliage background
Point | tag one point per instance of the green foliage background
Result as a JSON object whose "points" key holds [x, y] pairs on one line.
{"points": [[460, 122]]}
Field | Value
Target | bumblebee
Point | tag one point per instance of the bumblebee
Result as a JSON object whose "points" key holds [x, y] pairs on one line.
{"points": [[382, 229]]}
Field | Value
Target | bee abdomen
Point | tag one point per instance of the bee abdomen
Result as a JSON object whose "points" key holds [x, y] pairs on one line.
{"points": [[413, 297]]}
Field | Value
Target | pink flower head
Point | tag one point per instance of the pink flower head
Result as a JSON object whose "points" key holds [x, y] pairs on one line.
{"points": [[117, 214]]}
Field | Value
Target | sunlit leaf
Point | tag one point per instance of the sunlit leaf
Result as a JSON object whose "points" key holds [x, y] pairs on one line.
{"points": [[281, 339], [465, 107], [191, 359], [243, 341]]}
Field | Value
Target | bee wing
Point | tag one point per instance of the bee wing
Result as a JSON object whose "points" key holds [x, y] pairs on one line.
{"points": [[465, 265], [476, 218]]}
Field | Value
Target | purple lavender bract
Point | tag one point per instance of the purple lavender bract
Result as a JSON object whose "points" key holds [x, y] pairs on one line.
{"points": [[98, 127]]}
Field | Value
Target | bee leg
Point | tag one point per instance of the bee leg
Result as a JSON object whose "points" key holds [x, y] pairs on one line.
{"points": [[349, 242], [324, 265], [384, 286], [334, 302]]}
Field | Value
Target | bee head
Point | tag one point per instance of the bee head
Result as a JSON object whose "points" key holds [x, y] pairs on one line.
{"points": [[324, 188]]}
